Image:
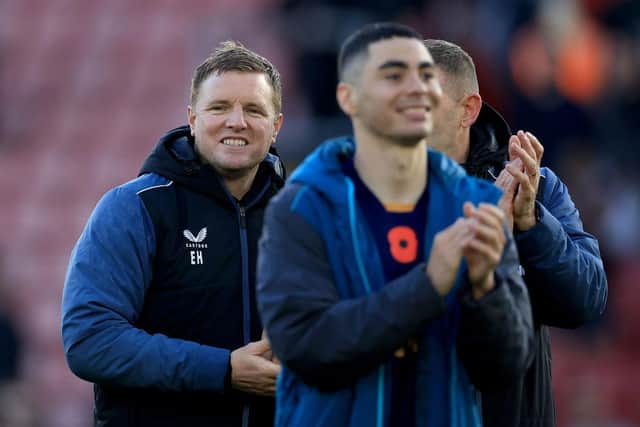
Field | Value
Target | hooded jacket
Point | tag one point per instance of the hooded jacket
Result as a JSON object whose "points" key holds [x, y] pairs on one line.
{"points": [[160, 289], [334, 322], [563, 272]]}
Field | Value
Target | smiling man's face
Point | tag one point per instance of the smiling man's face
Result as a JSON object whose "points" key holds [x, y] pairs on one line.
{"points": [[234, 122], [397, 91]]}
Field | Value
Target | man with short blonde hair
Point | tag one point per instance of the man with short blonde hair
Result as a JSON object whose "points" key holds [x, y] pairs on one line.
{"points": [[158, 308]]}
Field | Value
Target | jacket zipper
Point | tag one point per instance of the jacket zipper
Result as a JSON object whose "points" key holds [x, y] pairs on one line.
{"points": [[246, 308], [244, 245], [246, 295], [367, 286]]}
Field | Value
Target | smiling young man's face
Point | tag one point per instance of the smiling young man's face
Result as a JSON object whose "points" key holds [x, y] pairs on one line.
{"points": [[397, 91], [234, 121]]}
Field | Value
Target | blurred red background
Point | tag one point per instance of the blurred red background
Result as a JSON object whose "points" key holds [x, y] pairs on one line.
{"points": [[87, 87]]}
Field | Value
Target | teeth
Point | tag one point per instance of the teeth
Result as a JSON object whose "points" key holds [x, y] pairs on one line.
{"points": [[416, 109], [235, 142]]}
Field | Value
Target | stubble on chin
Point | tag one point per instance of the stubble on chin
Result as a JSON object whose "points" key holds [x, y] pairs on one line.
{"points": [[411, 140]]}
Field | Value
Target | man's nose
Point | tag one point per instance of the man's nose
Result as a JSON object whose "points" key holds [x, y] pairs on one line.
{"points": [[417, 84], [235, 118]]}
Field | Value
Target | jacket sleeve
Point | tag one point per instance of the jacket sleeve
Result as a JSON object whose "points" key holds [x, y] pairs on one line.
{"points": [[327, 341], [104, 291], [496, 337], [562, 263]]}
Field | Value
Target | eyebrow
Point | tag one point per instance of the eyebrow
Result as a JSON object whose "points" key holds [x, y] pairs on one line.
{"points": [[227, 102], [217, 102], [402, 64], [256, 105]]}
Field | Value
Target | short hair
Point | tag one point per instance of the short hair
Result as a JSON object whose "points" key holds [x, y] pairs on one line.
{"points": [[454, 61], [357, 44], [233, 56]]}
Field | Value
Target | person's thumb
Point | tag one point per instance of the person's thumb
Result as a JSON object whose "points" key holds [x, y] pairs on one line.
{"points": [[258, 347]]}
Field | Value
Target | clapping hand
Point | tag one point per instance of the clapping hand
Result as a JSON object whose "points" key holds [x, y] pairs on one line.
{"points": [[525, 155]]}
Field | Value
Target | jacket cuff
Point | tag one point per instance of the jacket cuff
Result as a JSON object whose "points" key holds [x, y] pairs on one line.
{"points": [[427, 297], [467, 296], [544, 234], [213, 369], [227, 377]]}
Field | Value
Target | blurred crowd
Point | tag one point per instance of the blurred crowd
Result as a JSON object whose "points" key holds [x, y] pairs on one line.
{"points": [[86, 88]]}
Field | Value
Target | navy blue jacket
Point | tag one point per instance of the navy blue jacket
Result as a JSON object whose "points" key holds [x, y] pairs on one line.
{"points": [[562, 270], [160, 289], [335, 323]]}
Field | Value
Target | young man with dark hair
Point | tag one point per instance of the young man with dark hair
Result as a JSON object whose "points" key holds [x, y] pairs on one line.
{"points": [[562, 265], [386, 280], [158, 307]]}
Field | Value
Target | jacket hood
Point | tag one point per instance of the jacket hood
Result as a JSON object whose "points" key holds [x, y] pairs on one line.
{"points": [[175, 158], [488, 150], [322, 169]]}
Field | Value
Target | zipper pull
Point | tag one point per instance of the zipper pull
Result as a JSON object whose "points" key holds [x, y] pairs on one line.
{"points": [[243, 217]]}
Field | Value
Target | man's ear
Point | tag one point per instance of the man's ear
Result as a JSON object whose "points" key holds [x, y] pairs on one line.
{"points": [[191, 118], [472, 104], [346, 96], [276, 127]]}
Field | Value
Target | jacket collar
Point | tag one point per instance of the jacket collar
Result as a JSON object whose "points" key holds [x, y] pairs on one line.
{"points": [[488, 149]]}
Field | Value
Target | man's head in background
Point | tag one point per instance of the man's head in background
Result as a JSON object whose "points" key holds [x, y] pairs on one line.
{"points": [[461, 101]]}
